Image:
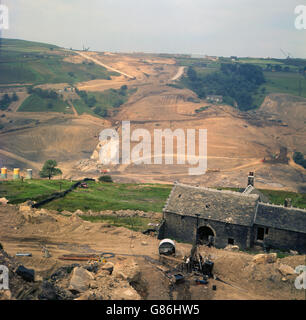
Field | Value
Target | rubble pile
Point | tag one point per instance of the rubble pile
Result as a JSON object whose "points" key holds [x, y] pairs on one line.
{"points": [[95, 281], [92, 281]]}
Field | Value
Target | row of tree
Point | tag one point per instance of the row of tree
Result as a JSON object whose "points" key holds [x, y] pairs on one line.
{"points": [[44, 94]]}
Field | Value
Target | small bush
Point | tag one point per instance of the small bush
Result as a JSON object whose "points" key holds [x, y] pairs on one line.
{"points": [[105, 179]]}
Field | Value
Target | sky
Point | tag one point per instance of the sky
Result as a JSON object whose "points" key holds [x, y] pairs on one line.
{"points": [[245, 28]]}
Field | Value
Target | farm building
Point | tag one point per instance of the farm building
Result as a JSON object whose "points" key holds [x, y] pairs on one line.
{"points": [[227, 217], [214, 99]]}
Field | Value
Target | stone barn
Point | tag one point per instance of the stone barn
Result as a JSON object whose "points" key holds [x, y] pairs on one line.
{"points": [[228, 217]]}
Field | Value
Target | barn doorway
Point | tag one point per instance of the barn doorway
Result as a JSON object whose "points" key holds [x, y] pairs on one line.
{"points": [[205, 235]]}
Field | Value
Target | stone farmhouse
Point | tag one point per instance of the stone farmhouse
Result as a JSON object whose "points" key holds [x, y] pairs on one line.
{"points": [[226, 217]]}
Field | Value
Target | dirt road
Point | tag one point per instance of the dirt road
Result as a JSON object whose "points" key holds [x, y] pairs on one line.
{"points": [[86, 56], [180, 72]]}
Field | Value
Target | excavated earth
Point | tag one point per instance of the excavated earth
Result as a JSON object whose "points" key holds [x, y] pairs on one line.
{"points": [[133, 271]]}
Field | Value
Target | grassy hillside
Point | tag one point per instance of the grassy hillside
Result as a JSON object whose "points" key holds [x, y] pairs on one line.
{"points": [[111, 196], [34, 103], [26, 62]]}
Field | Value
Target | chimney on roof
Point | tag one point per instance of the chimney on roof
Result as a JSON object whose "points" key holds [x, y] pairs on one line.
{"points": [[251, 179], [288, 202]]}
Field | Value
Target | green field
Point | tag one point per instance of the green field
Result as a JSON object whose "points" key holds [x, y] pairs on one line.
{"points": [[112, 196], [36, 190], [36, 63], [81, 107], [104, 101], [291, 83], [34, 103], [99, 196]]}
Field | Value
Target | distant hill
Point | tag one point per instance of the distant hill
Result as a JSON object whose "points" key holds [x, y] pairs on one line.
{"points": [[27, 62]]}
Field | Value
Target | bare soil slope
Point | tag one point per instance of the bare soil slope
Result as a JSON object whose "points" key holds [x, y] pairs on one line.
{"points": [[237, 141]]}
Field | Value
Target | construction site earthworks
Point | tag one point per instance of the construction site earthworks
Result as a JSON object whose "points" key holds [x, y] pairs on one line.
{"points": [[93, 231]]}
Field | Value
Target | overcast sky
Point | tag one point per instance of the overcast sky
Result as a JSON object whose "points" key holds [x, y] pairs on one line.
{"points": [[257, 28]]}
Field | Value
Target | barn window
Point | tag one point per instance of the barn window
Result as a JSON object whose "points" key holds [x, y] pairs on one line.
{"points": [[267, 231], [260, 233], [230, 241]]}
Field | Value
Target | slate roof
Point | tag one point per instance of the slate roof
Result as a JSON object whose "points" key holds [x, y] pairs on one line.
{"points": [[280, 217], [219, 205]]}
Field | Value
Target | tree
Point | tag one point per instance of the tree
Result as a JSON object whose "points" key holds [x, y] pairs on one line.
{"points": [[192, 74], [49, 170], [105, 179]]}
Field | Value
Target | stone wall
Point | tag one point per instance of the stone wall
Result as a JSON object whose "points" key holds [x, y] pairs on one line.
{"points": [[286, 240], [183, 228]]}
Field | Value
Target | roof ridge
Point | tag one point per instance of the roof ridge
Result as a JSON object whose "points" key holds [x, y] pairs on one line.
{"points": [[219, 191]]}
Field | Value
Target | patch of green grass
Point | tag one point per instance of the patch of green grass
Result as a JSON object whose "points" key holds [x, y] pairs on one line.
{"points": [[281, 255], [132, 223], [34, 103], [112, 98], [201, 109], [36, 190], [113, 196], [282, 82], [81, 107], [99, 103], [278, 197]]}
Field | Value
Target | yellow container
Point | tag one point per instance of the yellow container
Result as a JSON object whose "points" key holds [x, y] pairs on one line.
{"points": [[3, 173], [16, 174]]}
